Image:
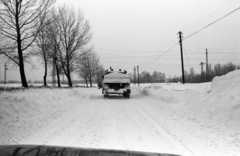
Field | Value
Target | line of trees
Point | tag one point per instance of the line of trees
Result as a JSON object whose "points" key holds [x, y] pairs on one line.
{"points": [[19, 26], [59, 36], [217, 70], [88, 66], [190, 76], [60, 42], [147, 77]]}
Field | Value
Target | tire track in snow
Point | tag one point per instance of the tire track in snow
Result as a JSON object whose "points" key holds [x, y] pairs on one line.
{"points": [[168, 135], [138, 133], [116, 123], [176, 132]]}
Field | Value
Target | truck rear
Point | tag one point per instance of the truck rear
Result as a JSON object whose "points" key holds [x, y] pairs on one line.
{"points": [[117, 83]]}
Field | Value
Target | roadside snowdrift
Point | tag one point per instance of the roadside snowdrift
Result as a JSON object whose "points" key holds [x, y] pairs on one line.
{"points": [[222, 106], [211, 110], [217, 113], [220, 109], [24, 112], [175, 93]]}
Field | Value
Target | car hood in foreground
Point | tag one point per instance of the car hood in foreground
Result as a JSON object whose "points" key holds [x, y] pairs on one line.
{"points": [[36, 150]]}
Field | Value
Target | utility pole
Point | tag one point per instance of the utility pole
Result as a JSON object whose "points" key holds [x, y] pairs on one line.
{"points": [[138, 74], [5, 73], [134, 75], [180, 41], [207, 72], [202, 71]]}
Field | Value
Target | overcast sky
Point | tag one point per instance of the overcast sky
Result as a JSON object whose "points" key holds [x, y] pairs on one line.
{"points": [[127, 33]]}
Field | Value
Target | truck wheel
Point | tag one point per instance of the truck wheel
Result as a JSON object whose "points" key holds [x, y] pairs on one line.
{"points": [[125, 95]]}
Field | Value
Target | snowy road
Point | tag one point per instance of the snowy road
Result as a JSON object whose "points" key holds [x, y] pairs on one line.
{"points": [[115, 123], [138, 123], [83, 118]]}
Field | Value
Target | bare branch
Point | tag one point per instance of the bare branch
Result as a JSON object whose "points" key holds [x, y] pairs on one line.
{"points": [[20, 24]]}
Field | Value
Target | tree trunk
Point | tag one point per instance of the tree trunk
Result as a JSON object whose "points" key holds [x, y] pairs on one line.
{"points": [[45, 80], [86, 82], [45, 74], [68, 74], [22, 73], [58, 77], [90, 81], [69, 80], [20, 52]]}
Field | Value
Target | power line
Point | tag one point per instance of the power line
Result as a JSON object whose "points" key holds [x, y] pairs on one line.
{"points": [[172, 59], [191, 53], [212, 23], [160, 55], [186, 56], [226, 53], [127, 51], [190, 36], [127, 39], [199, 19]]}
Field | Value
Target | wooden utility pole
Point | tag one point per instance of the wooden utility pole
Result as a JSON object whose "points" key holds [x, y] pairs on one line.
{"points": [[180, 41], [207, 72], [202, 71], [5, 73], [134, 75], [138, 74]]}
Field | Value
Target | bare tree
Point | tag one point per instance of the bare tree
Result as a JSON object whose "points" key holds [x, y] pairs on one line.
{"points": [[53, 37], [93, 66], [43, 48], [88, 65], [20, 25], [74, 33], [82, 65], [82, 71], [100, 73]]}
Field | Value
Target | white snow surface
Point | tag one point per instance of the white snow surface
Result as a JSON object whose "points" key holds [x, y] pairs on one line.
{"points": [[186, 119]]}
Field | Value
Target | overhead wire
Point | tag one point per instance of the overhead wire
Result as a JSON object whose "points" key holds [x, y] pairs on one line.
{"points": [[160, 55], [185, 52], [142, 66], [199, 19], [213, 51], [211, 23]]}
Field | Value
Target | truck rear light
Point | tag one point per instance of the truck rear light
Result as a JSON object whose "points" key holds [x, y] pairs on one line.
{"points": [[127, 86], [106, 86]]}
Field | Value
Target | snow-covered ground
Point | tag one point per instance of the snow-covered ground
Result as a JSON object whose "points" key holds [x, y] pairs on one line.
{"points": [[189, 119]]}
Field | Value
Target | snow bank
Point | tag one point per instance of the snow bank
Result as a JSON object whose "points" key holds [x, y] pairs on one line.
{"points": [[210, 109], [218, 111], [224, 100], [173, 93], [23, 112], [159, 93], [229, 83]]}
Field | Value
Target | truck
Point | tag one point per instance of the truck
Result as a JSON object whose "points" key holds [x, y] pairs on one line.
{"points": [[116, 82]]}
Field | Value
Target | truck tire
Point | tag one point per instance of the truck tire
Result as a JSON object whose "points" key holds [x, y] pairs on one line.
{"points": [[105, 96], [126, 95]]}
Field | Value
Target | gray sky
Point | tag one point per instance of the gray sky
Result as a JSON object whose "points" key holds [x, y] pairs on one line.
{"points": [[127, 33]]}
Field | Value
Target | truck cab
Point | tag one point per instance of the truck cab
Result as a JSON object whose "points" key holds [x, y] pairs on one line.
{"points": [[116, 82]]}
